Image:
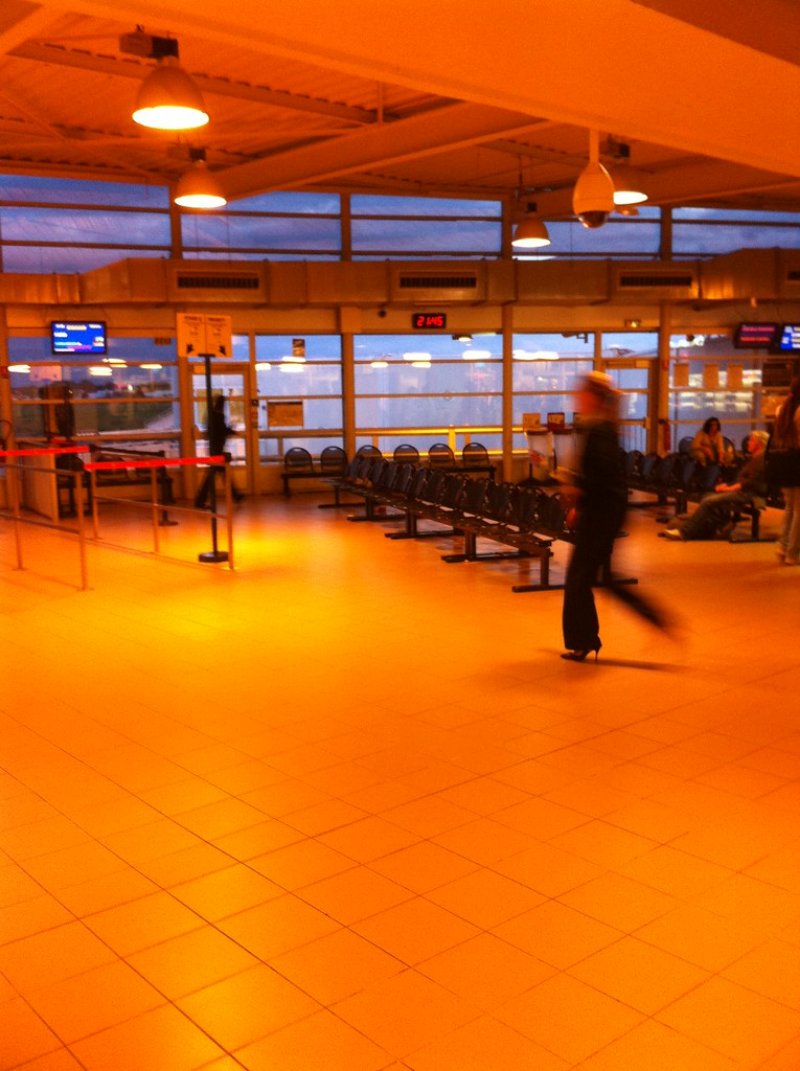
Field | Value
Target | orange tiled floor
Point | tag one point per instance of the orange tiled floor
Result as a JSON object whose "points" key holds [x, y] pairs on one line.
{"points": [[346, 808]]}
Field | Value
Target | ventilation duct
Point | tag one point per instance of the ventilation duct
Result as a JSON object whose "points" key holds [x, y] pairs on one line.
{"points": [[232, 283], [648, 281], [421, 285]]}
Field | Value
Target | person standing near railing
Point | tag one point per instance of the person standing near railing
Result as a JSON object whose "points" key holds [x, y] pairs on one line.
{"points": [[218, 433]]}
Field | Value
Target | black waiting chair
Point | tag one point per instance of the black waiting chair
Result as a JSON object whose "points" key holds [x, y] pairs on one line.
{"points": [[406, 452], [298, 459], [367, 450], [440, 456], [475, 454], [333, 461]]}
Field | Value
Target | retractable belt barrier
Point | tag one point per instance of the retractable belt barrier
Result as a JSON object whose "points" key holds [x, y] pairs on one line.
{"points": [[8, 459], [153, 464]]}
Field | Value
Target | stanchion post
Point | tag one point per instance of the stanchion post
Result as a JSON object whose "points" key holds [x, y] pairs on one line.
{"points": [[154, 505], [13, 489], [229, 509], [79, 494], [95, 515]]}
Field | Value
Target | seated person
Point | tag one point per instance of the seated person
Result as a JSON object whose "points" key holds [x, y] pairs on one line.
{"points": [[717, 513], [709, 446]]}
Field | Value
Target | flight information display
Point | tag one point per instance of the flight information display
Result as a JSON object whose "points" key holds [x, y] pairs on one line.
{"points": [[78, 336]]}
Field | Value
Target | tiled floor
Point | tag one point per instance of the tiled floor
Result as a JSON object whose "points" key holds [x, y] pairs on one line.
{"points": [[346, 808]]}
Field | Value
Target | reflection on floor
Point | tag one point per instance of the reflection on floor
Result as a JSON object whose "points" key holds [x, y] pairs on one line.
{"points": [[346, 808]]}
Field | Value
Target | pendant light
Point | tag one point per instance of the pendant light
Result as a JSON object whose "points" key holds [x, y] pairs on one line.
{"points": [[593, 196], [627, 180], [167, 99], [530, 232], [198, 187]]}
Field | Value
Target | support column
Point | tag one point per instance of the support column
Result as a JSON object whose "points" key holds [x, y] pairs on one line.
{"points": [[350, 325], [508, 391], [658, 397], [6, 410]]}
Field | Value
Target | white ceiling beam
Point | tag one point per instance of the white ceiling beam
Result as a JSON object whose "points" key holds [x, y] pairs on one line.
{"points": [[453, 126], [613, 65]]}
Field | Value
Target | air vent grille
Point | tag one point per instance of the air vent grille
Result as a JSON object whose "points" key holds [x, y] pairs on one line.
{"points": [[655, 281], [196, 281], [438, 282]]}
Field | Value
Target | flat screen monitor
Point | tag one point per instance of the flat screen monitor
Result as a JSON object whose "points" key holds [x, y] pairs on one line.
{"points": [[78, 336], [789, 339], [754, 336]]}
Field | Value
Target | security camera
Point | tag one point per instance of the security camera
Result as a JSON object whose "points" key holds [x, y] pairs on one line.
{"points": [[382, 313], [593, 197], [592, 219]]}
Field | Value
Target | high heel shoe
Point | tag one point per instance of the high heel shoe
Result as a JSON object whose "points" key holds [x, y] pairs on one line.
{"points": [[580, 655]]}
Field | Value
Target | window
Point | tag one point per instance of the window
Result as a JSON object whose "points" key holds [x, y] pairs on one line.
{"points": [[404, 227], [306, 371], [132, 391], [708, 378], [709, 232]]}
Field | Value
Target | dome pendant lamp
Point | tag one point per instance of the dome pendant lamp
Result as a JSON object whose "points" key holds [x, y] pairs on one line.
{"points": [[531, 232], [593, 196], [198, 187], [168, 99]]}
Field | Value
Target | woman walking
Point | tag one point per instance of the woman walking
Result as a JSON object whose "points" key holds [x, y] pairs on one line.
{"points": [[601, 503]]}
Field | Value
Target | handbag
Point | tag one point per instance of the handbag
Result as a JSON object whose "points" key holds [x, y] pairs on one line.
{"points": [[782, 467]]}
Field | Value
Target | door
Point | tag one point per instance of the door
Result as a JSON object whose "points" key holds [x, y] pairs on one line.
{"points": [[231, 380]]}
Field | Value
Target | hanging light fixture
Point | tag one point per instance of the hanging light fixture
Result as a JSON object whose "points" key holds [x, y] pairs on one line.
{"points": [[593, 196], [197, 187], [530, 232], [627, 180], [167, 99]]}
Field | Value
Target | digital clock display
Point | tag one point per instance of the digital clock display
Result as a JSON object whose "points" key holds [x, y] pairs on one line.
{"points": [[429, 321]]}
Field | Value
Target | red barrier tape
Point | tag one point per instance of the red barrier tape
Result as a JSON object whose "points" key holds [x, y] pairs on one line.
{"points": [[154, 463], [45, 450]]}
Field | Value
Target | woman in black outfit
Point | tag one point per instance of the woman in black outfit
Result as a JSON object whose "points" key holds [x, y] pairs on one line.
{"points": [[601, 503], [218, 432]]}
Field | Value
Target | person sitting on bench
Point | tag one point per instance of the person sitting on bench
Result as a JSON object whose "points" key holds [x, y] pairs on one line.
{"points": [[717, 514]]}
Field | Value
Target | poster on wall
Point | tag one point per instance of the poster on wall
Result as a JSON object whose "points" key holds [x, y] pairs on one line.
{"points": [[735, 376], [285, 414], [711, 376], [680, 374]]}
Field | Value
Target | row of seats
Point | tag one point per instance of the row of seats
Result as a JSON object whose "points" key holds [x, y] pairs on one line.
{"points": [[526, 519], [298, 463]]}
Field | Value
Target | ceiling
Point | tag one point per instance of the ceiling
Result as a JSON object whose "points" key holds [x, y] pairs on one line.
{"points": [[460, 98]]}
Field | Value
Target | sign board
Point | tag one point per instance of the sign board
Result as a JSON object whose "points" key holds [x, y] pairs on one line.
{"points": [[201, 335], [428, 321], [285, 414], [531, 421], [298, 347]]}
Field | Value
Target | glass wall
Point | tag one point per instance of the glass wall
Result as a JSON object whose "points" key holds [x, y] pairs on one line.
{"points": [[709, 378], [130, 391], [703, 232], [70, 225], [423, 389], [299, 393], [403, 227]]}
